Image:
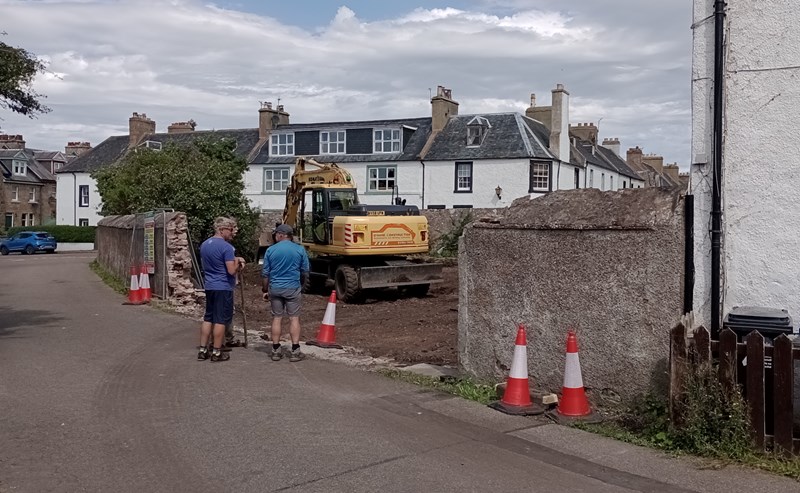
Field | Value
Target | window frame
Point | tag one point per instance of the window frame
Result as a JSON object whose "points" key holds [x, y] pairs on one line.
{"points": [[275, 144], [32, 196], [328, 142], [460, 165], [81, 202], [273, 169], [383, 141], [531, 167], [83, 221], [15, 194], [369, 180], [19, 168]]}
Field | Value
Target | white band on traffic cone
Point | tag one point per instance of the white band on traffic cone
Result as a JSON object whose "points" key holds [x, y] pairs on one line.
{"points": [[330, 314], [519, 364], [572, 372]]}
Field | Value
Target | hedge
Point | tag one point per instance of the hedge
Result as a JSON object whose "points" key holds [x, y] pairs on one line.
{"points": [[62, 234]]}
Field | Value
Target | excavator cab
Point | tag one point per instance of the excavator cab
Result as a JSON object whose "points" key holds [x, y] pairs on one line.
{"points": [[326, 204]]}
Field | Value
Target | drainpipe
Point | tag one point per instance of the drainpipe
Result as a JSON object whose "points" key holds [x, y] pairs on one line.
{"points": [[716, 193], [423, 183]]}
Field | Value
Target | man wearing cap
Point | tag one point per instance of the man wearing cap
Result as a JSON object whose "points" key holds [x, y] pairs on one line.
{"points": [[283, 275]]}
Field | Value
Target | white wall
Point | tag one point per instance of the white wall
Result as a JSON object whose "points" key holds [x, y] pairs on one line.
{"points": [[761, 170], [67, 210], [512, 175]]}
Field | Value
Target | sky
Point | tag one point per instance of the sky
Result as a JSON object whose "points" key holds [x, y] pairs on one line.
{"points": [[625, 63]]}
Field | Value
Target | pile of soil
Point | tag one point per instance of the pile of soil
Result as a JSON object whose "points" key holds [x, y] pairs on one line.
{"points": [[408, 330]]}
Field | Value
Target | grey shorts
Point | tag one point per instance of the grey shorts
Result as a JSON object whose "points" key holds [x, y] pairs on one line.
{"points": [[285, 301]]}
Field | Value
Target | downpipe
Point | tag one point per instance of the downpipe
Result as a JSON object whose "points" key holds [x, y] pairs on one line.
{"points": [[716, 193]]}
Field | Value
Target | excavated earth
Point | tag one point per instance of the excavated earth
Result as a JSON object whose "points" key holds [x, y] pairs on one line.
{"points": [[408, 330]]}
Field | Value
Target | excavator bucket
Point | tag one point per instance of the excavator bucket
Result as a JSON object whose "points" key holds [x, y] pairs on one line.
{"points": [[400, 274]]}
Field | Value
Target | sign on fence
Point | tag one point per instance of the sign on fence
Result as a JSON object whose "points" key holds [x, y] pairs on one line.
{"points": [[150, 242]]}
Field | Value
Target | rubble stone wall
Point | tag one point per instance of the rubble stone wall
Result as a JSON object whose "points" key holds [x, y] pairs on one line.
{"points": [[607, 264], [120, 244]]}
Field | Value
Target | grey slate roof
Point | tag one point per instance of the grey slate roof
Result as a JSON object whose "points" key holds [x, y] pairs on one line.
{"points": [[410, 153], [511, 136], [114, 148], [617, 162], [36, 172], [604, 158]]}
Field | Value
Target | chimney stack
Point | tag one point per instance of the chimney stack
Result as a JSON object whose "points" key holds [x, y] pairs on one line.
{"points": [[542, 114], [75, 149], [673, 171], [11, 142], [559, 132], [181, 127], [585, 131], [442, 108], [655, 161], [139, 127], [612, 144], [269, 119]]}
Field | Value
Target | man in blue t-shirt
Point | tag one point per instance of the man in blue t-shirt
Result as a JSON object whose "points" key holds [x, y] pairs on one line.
{"points": [[220, 265], [283, 275]]}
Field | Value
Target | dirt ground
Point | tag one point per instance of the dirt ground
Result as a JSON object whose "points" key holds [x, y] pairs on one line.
{"points": [[408, 330]]}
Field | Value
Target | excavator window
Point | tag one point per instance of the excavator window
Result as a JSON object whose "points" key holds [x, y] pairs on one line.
{"points": [[319, 217]]}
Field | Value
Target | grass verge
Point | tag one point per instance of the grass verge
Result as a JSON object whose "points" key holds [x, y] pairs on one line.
{"points": [[108, 278], [463, 387]]}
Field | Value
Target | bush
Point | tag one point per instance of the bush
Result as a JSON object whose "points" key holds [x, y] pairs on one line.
{"points": [[62, 234], [447, 244]]}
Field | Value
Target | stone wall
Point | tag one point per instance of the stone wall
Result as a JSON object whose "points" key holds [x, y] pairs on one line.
{"points": [[43, 209], [608, 264], [120, 244]]}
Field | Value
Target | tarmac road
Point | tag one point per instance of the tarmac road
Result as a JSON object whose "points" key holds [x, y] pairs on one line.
{"points": [[97, 396]]}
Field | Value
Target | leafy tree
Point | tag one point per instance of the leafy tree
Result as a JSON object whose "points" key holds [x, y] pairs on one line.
{"points": [[18, 67], [204, 179]]}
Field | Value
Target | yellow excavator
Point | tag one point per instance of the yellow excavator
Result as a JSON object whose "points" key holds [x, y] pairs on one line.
{"points": [[358, 246]]}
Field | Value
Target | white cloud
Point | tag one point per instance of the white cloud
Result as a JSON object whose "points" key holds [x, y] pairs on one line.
{"points": [[182, 59]]}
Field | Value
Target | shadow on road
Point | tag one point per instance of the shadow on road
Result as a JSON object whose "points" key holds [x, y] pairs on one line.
{"points": [[13, 319]]}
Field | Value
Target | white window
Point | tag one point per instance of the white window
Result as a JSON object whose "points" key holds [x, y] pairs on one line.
{"points": [[477, 128], [20, 168], [32, 196], [463, 177], [331, 142], [591, 178], [276, 180], [602, 181], [15, 194], [27, 219], [83, 196], [387, 141], [282, 145], [83, 222], [381, 178], [540, 177]]}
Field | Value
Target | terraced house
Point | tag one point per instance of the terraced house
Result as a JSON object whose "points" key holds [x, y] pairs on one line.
{"points": [[28, 188], [445, 160]]}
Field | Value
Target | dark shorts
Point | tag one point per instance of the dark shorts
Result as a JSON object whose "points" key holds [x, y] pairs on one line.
{"points": [[219, 306], [285, 301]]}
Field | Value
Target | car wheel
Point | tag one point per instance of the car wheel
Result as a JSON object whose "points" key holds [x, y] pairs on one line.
{"points": [[3, 250], [29, 250]]}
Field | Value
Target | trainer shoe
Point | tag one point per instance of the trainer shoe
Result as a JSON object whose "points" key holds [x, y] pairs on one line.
{"points": [[296, 355], [220, 356], [277, 354], [203, 354]]}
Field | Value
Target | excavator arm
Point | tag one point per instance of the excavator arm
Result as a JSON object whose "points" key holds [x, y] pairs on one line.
{"points": [[302, 179]]}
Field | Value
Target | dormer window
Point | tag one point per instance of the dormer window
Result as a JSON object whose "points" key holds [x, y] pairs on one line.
{"points": [[20, 168], [387, 141], [282, 144], [477, 129]]}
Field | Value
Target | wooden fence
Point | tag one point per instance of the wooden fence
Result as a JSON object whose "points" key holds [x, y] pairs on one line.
{"points": [[763, 372]]}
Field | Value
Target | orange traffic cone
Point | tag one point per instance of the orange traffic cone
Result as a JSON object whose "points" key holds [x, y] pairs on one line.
{"points": [[326, 337], [573, 404], [144, 285], [135, 292], [517, 395]]}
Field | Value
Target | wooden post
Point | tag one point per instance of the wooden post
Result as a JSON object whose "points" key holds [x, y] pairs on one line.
{"points": [[702, 345], [755, 386], [677, 371], [728, 360], [783, 384]]}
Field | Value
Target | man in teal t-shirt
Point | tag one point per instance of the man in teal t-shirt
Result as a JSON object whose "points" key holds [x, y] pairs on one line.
{"points": [[283, 275]]}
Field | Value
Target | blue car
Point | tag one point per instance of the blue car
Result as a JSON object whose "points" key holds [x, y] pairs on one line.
{"points": [[29, 242]]}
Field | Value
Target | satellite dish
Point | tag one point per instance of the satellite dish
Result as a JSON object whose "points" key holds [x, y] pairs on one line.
{"points": [[275, 120]]}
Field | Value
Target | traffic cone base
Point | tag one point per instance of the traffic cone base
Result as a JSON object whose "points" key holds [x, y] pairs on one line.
{"points": [[326, 337], [516, 399]]}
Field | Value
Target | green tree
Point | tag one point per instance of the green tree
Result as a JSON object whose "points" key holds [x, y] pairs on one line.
{"points": [[18, 67], [204, 179]]}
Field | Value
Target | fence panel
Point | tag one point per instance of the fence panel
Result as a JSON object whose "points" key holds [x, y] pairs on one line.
{"points": [[754, 389], [783, 384]]}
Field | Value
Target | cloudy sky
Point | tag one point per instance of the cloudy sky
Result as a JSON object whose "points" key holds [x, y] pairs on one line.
{"points": [[626, 63]]}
